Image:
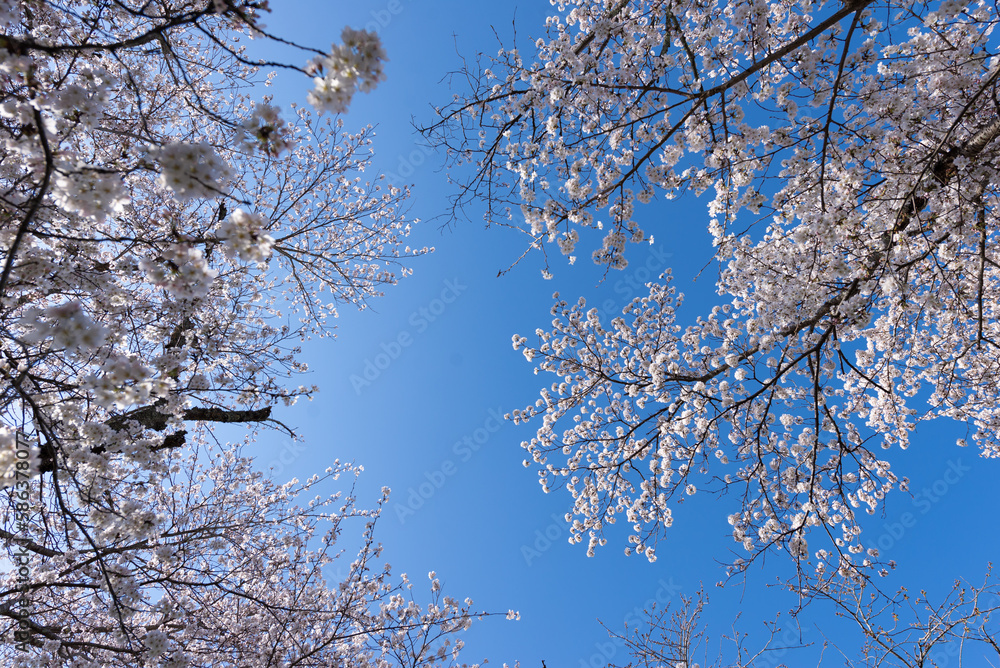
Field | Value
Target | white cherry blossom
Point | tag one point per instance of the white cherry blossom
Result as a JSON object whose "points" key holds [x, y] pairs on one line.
{"points": [[850, 154], [168, 241]]}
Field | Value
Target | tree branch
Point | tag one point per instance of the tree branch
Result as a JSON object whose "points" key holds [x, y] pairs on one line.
{"points": [[150, 417]]}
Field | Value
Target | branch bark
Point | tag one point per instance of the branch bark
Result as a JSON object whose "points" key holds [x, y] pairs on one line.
{"points": [[150, 417]]}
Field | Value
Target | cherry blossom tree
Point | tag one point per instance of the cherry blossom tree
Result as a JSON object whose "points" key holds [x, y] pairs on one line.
{"points": [[903, 631], [212, 564], [851, 150], [169, 237]]}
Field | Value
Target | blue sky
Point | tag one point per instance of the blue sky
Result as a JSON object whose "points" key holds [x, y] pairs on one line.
{"points": [[442, 369]]}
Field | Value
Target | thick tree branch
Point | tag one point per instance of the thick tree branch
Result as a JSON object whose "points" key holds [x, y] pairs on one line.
{"points": [[150, 417]]}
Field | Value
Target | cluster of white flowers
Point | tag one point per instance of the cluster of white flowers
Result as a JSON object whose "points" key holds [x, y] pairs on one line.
{"points": [[900, 283], [8, 12], [127, 344], [164, 553], [19, 112], [89, 193], [66, 324], [156, 642], [264, 130], [182, 270], [78, 104], [244, 237], [356, 64], [199, 381], [175, 660], [568, 242], [123, 381], [190, 170]]}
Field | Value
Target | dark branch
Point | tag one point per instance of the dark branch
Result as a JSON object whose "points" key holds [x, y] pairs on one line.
{"points": [[150, 417]]}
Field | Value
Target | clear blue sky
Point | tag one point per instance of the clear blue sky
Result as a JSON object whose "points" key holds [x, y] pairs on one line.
{"points": [[427, 421]]}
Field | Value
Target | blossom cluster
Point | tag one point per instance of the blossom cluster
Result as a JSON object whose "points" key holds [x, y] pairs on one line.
{"points": [[265, 130], [181, 269], [131, 329], [244, 236], [191, 170], [90, 193], [8, 12], [353, 65], [858, 297], [123, 381], [82, 102], [156, 643], [66, 324]]}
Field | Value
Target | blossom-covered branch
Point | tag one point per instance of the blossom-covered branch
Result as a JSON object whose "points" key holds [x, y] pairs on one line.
{"points": [[168, 239], [852, 151]]}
